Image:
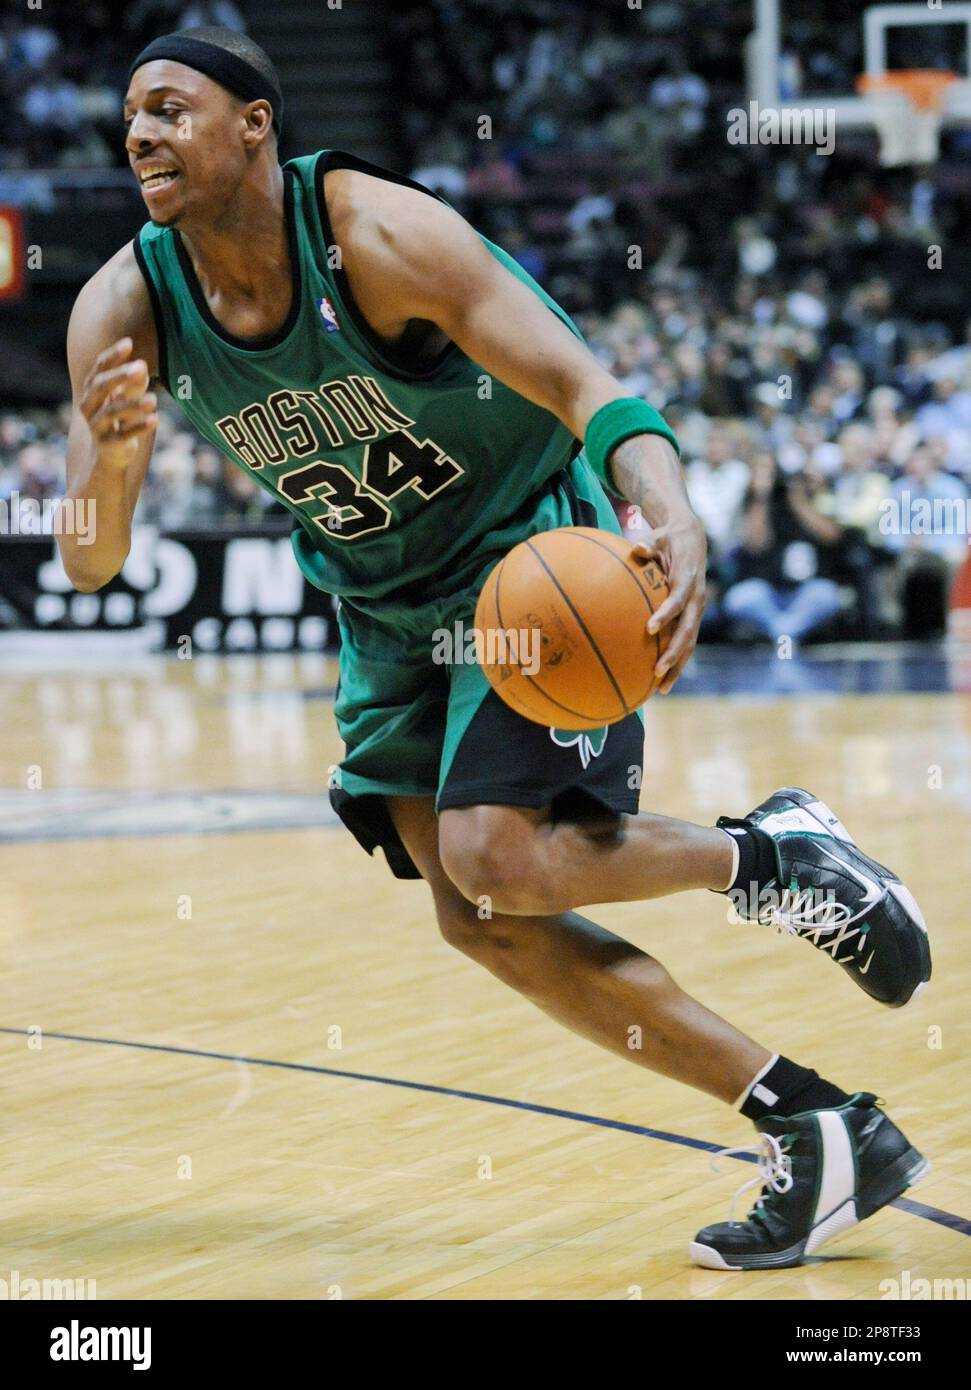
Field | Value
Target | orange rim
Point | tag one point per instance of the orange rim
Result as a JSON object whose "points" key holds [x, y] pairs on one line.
{"points": [[924, 88]]}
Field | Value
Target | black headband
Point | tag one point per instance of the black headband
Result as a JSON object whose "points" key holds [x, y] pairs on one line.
{"points": [[230, 71]]}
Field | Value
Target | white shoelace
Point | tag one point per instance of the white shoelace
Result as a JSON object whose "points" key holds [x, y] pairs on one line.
{"points": [[800, 913], [775, 1168]]}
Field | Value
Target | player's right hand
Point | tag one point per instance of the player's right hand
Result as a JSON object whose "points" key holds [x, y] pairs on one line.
{"points": [[117, 404]]}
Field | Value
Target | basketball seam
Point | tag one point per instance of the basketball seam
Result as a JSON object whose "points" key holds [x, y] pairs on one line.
{"points": [[634, 576], [583, 628], [553, 701]]}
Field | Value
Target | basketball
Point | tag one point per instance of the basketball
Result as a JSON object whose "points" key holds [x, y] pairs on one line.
{"points": [[561, 624], [304, 357]]}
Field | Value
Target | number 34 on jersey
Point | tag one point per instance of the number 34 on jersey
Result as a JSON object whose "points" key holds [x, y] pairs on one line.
{"points": [[344, 506]]}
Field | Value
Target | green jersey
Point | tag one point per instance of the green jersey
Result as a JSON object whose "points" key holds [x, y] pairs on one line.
{"points": [[397, 473]]}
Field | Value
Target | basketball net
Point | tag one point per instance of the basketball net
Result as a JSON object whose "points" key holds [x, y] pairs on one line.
{"points": [[907, 108]]}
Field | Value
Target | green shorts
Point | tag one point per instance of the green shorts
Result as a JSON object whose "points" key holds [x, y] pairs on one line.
{"points": [[414, 726]]}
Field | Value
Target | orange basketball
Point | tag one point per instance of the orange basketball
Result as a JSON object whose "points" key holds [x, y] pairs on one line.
{"points": [[562, 628]]}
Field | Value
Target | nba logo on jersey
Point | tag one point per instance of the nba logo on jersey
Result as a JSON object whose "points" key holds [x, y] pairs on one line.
{"points": [[328, 315]]}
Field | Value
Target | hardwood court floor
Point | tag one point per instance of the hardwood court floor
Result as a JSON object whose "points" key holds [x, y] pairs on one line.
{"points": [[221, 1152]]}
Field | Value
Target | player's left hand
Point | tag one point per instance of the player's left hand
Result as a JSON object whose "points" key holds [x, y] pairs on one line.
{"points": [[681, 549]]}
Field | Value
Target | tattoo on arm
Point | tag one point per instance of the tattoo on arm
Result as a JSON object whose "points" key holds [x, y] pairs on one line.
{"points": [[647, 472]]}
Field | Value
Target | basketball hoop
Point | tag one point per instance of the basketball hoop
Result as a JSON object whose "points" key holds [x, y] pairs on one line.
{"points": [[908, 105]]}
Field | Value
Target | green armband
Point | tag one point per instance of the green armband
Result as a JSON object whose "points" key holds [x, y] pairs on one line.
{"points": [[617, 421]]}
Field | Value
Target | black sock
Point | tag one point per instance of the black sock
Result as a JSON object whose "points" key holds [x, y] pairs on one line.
{"points": [[788, 1089], [757, 862]]}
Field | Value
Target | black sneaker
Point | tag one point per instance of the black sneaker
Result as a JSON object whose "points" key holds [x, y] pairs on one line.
{"points": [[824, 1171], [844, 902]]}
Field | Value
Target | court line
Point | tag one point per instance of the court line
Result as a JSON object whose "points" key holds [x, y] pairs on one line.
{"points": [[61, 825], [59, 837], [307, 693], [949, 1220]]}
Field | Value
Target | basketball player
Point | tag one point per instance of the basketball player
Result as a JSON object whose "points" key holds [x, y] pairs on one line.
{"points": [[420, 405]]}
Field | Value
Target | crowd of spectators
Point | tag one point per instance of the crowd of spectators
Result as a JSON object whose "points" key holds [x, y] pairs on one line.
{"points": [[62, 68], [782, 309], [815, 487], [816, 517], [189, 485]]}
